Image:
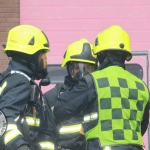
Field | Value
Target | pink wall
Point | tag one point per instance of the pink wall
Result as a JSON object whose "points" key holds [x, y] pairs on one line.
{"points": [[65, 21], [68, 20]]}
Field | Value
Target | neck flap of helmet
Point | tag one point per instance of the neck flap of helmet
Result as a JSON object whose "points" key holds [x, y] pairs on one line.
{"points": [[106, 59]]}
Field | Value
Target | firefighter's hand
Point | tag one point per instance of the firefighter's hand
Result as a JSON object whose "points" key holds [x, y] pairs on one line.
{"points": [[24, 147]]}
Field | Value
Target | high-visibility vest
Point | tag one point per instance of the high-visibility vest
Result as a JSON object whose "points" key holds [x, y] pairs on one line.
{"points": [[122, 98]]}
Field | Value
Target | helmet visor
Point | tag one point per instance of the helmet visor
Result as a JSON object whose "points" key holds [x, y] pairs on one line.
{"points": [[78, 69]]}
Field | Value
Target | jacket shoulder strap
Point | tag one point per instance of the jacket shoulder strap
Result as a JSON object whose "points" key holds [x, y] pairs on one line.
{"points": [[89, 80]]}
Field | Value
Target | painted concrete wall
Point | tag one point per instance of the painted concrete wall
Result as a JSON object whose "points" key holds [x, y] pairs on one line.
{"points": [[68, 20], [65, 21]]}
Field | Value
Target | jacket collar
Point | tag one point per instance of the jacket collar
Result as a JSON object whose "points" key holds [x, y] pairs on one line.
{"points": [[13, 65], [69, 83]]}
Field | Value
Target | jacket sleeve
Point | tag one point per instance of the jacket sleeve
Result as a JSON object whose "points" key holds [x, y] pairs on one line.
{"points": [[12, 103], [47, 127], [145, 121], [75, 101], [51, 96]]}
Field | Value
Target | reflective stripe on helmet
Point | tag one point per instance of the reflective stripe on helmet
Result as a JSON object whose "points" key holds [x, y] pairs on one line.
{"points": [[92, 116], [47, 145], [70, 129]]}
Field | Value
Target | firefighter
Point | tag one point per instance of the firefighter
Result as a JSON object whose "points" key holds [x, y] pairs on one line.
{"points": [[114, 102], [28, 47], [79, 61]]}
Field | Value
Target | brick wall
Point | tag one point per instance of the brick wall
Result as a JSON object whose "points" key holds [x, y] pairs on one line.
{"points": [[9, 17]]}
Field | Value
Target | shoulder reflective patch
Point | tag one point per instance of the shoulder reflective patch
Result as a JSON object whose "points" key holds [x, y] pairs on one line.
{"points": [[3, 87]]}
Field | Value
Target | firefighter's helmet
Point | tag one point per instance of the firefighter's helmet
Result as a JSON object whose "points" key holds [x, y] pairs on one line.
{"points": [[26, 39], [28, 45], [80, 51], [113, 38]]}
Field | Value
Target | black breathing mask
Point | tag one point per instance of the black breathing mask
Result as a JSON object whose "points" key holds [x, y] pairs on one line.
{"points": [[78, 69], [40, 67]]}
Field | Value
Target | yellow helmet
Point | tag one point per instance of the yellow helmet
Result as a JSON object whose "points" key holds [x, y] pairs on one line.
{"points": [[26, 39], [80, 51], [113, 38]]}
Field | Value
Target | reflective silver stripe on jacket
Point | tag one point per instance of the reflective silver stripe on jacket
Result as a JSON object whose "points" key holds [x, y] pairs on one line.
{"points": [[11, 127], [30, 121], [70, 129], [47, 145], [89, 117], [3, 87], [12, 132], [19, 72]]}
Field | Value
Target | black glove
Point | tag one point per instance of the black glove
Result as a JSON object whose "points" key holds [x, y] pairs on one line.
{"points": [[24, 147]]}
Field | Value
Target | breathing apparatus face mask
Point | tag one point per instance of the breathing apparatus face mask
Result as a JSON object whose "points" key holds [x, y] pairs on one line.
{"points": [[41, 68], [42, 61], [78, 70]]}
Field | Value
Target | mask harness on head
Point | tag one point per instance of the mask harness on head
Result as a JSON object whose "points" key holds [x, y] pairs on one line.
{"points": [[109, 62]]}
